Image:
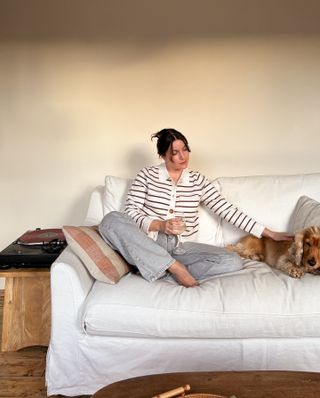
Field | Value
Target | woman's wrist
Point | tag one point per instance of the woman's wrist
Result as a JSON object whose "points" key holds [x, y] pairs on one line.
{"points": [[277, 236], [156, 225], [267, 233]]}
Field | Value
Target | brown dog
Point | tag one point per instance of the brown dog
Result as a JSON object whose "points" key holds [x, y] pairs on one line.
{"points": [[294, 258]]}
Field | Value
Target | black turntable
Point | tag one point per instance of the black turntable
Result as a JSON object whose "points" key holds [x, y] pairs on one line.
{"points": [[31, 256]]}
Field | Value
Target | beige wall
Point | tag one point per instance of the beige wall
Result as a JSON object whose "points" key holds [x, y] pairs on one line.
{"points": [[79, 97]]}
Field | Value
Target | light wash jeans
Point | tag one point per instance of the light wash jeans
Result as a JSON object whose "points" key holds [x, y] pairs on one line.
{"points": [[153, 258]]}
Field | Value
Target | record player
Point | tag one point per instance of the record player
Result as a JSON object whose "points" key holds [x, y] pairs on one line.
{"points": [[37, 248]]}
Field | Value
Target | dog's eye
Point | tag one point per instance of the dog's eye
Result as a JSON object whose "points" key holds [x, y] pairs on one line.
{"points": [[308, 244]]}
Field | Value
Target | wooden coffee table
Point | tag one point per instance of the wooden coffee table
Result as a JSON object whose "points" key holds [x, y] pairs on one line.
{"points": [[264, 384]]}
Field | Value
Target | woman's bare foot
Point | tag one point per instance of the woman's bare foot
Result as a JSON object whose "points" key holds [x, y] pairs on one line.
{"points": [[182, 275]]}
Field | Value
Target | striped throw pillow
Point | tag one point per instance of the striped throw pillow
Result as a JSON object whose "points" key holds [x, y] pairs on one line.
{"points": [[101, 261]]}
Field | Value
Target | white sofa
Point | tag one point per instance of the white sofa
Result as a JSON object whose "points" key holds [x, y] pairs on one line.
{"points": [[257, 318]]}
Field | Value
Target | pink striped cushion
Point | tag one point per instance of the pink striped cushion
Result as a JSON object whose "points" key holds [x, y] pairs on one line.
{"points": [[102, 262]]}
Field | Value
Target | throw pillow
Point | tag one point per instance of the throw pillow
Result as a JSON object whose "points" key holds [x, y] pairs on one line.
{"points": [[115, 193], [102, 262], [306, 214]]}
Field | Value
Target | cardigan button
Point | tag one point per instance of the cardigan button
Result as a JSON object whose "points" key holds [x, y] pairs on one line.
{"points": [[171, 211]]}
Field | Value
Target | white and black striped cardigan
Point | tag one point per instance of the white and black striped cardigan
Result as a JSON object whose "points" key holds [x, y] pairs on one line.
{"points": [[153, 195]]}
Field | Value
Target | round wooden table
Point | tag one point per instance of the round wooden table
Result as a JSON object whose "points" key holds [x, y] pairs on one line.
{"points": [[264, 384]]}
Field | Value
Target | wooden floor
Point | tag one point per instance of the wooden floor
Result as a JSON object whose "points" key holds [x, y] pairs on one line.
{"points": [[22, 372]]}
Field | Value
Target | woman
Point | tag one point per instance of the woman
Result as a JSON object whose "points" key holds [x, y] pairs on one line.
{"points": [[146, 234]]}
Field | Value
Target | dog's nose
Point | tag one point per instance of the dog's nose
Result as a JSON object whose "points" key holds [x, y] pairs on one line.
{"points": [[312, 261]]}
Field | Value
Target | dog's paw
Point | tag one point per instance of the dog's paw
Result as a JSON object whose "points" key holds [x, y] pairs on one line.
{"points": [[296, 272], [231, 248], [256, 257]]}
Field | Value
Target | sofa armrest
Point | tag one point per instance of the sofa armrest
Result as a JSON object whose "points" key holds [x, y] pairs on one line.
{"points": [[95, 210], [70, 285]]}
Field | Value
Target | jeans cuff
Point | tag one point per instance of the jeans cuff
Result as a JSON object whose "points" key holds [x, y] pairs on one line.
{"points": [[160, 273]]}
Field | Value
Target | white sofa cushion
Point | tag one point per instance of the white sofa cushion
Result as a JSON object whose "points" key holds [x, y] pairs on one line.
{"points": [[236, 305], [270, 200], [115, 193]]}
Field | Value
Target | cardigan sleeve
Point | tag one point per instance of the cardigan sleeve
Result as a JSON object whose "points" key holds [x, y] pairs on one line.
{"points": [[135, 202], [227, 211]]}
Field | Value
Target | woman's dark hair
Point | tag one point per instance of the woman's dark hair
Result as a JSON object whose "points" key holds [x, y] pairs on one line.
{"points": [[165, 138]]}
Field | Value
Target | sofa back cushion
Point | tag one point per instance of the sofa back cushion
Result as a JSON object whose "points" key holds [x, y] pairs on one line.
{"points": [[115, 193], [270, 200]]}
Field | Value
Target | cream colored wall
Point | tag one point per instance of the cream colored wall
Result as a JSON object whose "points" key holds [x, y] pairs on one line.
{"points": [[74, 110]]}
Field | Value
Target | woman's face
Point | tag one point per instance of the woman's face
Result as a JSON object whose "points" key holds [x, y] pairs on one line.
{"points": [[177, 156]]}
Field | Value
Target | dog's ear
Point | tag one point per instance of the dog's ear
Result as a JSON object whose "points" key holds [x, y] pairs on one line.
{"points": [[296, 249]]}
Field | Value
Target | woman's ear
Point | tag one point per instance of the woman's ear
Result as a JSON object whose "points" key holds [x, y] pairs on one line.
{"points": [[296, 249]]}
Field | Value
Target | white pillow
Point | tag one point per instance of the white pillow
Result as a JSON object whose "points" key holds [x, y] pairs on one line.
{"points": [[269, 200], [115, 193], [306, 214]]}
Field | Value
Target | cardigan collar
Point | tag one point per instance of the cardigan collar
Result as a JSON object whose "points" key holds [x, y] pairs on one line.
{"points": [[164, 175]]}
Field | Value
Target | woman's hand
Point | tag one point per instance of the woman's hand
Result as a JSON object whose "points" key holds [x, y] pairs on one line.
{"points": [[169, 227], [278, 236]]}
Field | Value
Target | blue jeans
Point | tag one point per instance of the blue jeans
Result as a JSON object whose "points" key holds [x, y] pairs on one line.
{"points": [[153, 258]]}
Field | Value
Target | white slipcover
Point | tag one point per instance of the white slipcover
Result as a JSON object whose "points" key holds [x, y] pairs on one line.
{"points": [[257, 318]]}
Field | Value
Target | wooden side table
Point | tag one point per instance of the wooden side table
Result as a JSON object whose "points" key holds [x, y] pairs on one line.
{"points": [[27, 308]]}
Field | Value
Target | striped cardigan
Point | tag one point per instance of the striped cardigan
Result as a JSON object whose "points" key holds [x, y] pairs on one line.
{"points": [[153, 195]]}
